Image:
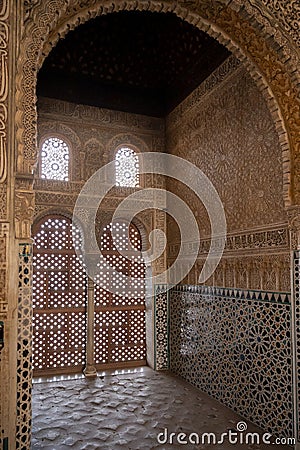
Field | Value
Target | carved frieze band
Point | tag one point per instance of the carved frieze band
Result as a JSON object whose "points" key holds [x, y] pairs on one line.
{"points": [[229, 66], [4, 30], [253, 240], [48, 109]]}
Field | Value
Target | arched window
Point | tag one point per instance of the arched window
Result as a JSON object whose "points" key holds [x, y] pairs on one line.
{"points": [[127, 167], [55, 159]]}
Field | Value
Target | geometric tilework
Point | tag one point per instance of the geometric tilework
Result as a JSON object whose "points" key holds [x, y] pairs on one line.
{"points": [[297, 332], [161, 328], [280, 297], [24, 345], [236, 346]]}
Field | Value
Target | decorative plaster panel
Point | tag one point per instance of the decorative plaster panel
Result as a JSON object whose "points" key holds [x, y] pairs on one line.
{"points": [[227, 131], [99, 117], [232, 28], [287, 13], [259, 240]]}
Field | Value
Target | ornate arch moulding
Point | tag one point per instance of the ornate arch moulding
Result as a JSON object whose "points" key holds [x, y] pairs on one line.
{"points": [[228, 21]]}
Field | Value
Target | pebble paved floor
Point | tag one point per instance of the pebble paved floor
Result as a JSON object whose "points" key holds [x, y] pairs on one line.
{"points": [[127, 410]]}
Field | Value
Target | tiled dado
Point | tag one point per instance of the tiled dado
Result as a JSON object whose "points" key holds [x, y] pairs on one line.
{"points": [[235, 345], [297, 330]]}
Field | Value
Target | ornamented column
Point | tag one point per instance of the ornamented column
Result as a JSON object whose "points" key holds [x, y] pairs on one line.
{"points": [[90, 369], [14, 409], [24, 211]]}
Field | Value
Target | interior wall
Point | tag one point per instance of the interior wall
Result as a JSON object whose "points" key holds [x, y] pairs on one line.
{"points": [[225, 128], [25, 39], [235, 344]]}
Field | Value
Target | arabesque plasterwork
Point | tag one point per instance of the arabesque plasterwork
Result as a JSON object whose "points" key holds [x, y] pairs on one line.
{"points": [[262, 34], [220, 15]]}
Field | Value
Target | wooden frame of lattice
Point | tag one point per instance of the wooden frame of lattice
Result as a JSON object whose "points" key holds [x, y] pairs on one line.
{"points": [[60, 295], [59, 299], [120, 331]]}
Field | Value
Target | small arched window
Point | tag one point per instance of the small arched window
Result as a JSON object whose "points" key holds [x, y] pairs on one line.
{"points": [[55, 159], [127, 167]]}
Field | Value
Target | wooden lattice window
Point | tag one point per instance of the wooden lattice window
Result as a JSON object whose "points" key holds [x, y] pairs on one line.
{"points": [[59, 298], [127, 167], [120, 316], [54, 159]]}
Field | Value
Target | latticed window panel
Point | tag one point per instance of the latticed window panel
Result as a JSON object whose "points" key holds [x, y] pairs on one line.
{"points": [[120, 316], [55, 159], [59, 298], [127, 167]]}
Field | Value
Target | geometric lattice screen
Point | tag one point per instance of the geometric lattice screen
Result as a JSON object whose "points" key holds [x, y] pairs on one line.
{"points": [[127, 167], [120, 316], [59, 298], [55, 159]]}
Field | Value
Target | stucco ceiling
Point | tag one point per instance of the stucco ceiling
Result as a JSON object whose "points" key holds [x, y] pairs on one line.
{"points": [[141, 62]]}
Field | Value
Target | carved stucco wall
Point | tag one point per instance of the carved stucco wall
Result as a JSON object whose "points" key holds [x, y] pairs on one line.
{"points": [[225, 128], [265, 31], [8, 260], [246, 28], [93, 135]]}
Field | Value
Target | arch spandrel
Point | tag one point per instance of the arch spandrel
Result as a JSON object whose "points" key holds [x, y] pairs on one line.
{"points": [[230, 22]]}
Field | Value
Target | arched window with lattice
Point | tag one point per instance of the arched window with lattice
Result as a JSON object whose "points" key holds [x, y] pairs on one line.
{"points": [[127, 167], [54, 159]]}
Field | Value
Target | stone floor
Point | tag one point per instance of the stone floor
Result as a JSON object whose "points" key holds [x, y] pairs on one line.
{"points": [[128, 409]]}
